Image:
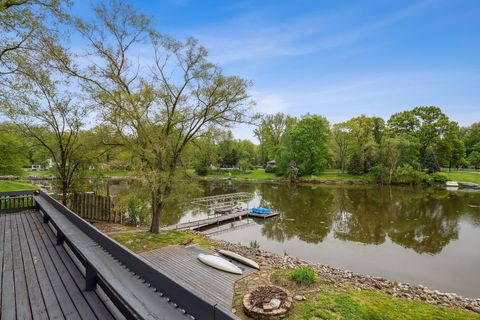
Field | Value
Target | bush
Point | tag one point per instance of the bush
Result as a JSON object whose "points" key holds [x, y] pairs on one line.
{"points": [[439, 177], [407, 174], [303, 275], [355, 165]]}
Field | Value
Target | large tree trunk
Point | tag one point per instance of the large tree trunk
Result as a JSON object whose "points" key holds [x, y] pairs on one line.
{"points": [[157, 208]]}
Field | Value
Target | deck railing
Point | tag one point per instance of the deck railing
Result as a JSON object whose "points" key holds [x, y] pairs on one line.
{"points": [[195, 305], [17, 200]]}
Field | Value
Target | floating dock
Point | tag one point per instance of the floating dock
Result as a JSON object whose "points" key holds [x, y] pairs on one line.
{"points": [[199, 224]]}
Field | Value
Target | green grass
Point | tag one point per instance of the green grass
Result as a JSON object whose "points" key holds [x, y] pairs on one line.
{"points": [[15, 186], [256, 174], [336, 175], [304, 275], [345, 302], [260, 174], [352, 304], [145, 241], [464, 175], [39, 173]]}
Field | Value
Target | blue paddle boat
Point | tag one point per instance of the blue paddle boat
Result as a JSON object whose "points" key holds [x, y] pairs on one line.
{"points": [[261, 213]]}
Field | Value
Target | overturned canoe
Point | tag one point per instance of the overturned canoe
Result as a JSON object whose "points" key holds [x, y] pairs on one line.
{"points": [[219, 263], [239, 258]]}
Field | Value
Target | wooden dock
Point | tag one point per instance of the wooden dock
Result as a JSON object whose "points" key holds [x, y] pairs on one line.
{"points": [[199, 224], [182, 264]]}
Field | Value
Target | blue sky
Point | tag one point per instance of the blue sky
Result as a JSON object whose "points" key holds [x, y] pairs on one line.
{"points": [[339, 58]]}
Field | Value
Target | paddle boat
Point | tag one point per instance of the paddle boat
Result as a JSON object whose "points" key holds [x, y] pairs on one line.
{"points": [[262, 213]]}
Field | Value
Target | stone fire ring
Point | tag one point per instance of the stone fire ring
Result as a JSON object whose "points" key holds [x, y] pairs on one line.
{"points": [[259, 313]]}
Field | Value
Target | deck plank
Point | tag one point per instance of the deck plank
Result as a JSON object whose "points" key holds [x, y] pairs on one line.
{"points": [[8, 285], [66, 303], [22, 301], [89, 304], [39, 310], [181, 263], [2, 237], [74, 292], [51, 303]]}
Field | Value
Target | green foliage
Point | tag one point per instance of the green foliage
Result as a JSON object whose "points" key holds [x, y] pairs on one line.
{"points": [[303, 275], [439, 177], [431, 162], [270, 133], [355, 165], [405, 174], [474, 159], [306, 145], [12, 157], [254, 244]]}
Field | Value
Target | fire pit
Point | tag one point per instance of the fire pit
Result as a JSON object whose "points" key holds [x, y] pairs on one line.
{"points": [[267, 302]]}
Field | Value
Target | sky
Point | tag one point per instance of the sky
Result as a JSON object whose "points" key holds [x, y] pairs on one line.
{"points": [[338, 59]]}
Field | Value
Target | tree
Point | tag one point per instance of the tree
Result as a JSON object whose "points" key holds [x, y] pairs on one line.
{"points": [[365, 136], [341, 139], [39, 107], [428, 124], [431, 162], [158, 112], [12, 157], [474, 159], [471, 137], [306, 145], [24, 31], [270, 133]]}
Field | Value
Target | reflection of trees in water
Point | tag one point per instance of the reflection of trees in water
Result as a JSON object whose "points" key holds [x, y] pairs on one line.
{"points": [[423, 219], [135, 196], [304, 214]]}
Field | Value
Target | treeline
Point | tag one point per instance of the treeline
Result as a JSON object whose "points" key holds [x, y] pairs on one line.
{"points": [[410, 147]]}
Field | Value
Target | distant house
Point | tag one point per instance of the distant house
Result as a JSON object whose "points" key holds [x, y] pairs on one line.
{"points": [[271, 166], [36, 167]]}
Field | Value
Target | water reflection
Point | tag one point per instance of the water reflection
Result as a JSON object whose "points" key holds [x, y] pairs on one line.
{"points": [[419, 235]]}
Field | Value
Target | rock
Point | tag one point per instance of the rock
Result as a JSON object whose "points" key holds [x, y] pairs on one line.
{"points": [[234, 310], [299, 298], [275, 303], [267, 307]]}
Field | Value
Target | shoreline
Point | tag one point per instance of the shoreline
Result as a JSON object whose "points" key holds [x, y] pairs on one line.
{"points": [[339, 276]]}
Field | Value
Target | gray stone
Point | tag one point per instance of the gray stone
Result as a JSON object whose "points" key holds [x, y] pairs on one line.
{"points": [[275, 303]]}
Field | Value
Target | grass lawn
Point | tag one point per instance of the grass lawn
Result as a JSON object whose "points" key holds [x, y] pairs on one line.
{"points": [[260, 174], [39, 173], [344, 302], [257, 174], [336, 175], [464, 175], [15, 186], [145, 241]]}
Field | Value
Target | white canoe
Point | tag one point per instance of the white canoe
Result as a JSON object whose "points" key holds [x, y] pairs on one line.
{"points": [[219, 263], [239, 258]]}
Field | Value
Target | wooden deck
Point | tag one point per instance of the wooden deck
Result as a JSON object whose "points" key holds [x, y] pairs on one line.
{"points": [[40, 280], [181, 263]]}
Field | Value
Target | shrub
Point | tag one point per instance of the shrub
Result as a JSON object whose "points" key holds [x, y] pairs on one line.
{"points": [[439, 177], [355, 165], [303, 275], [254, 244], [407, 174]]}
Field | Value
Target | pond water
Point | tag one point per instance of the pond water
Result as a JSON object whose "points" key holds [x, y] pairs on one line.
{"points": [[428, 236]]}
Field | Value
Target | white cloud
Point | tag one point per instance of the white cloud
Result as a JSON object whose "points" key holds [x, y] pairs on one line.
{"points": [[269, 103]]}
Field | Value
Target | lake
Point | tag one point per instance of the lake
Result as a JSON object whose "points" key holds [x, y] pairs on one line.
{"points": [[428, 236]]}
